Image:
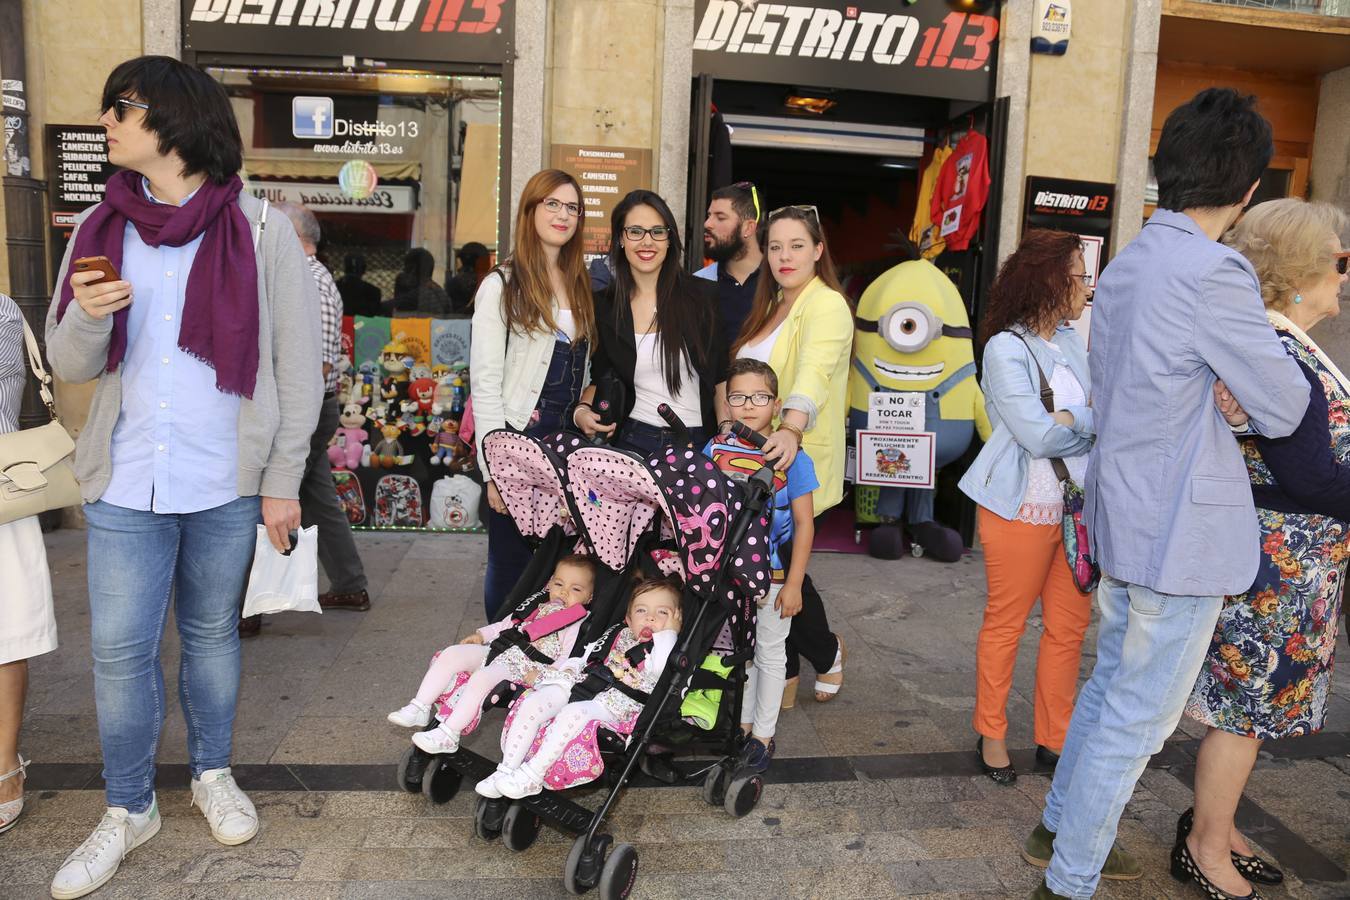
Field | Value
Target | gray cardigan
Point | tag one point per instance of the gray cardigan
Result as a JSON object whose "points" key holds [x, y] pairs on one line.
{"points": [[275, 426]]}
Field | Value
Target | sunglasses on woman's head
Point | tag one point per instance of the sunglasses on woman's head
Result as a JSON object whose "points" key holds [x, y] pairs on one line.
{"points": [[815, 213], [119, 107]]}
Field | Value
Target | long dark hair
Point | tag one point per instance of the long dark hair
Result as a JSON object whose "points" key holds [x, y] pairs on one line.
{"points": [[681, 316], [1033, 286], [766, 291], [527, 298]]}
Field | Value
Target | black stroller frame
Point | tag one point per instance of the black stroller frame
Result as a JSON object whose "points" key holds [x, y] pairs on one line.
{"points": [[591, 863]]}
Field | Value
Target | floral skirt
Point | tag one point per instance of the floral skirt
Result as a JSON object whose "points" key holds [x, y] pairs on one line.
{"points": [[1268, 671]]}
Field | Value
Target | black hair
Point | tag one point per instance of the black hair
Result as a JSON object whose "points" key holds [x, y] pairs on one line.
{"points": [[470, 253], [742, 201], [681, 319], [1211, 151], [189, 112]]}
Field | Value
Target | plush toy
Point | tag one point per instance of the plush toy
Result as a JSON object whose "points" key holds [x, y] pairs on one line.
{"points": [[350, 448], [913, 335], [388, 452], [451, 393], [394, 359], [423, 392], [447, 447], [367, 377]]}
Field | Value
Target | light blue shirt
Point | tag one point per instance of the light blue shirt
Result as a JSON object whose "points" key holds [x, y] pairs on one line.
{"points": [[175, 446], [1169, 505]]}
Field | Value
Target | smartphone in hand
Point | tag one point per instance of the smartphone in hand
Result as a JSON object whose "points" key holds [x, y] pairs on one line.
{"points": [[98, 264]]}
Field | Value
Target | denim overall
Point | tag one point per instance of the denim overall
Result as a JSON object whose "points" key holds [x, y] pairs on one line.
{"points": [[508, 553]]}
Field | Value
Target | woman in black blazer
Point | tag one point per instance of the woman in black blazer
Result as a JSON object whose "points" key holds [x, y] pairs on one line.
{"points": [[658, 334]]}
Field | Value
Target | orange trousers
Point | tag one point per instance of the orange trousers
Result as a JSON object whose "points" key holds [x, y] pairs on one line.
{"points": [[1023, 562]]}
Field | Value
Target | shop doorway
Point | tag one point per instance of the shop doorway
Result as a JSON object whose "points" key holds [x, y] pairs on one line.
{"points": [[389, 162]]}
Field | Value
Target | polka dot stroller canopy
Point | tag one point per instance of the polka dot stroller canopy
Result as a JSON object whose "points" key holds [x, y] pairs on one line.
{"points": [[618, 496], [531, 475]]}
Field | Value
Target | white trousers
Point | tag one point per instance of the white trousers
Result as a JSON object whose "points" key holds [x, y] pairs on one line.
{"points": [[764, 682]]}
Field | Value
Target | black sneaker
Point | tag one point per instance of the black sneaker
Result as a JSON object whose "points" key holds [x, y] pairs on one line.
{"points": [[755, 755]]}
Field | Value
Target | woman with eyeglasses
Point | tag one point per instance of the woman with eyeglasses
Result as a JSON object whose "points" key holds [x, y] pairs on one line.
{"points": [[1038, 291], [802, 325], [1268, 672], [659, 335], [533, 330]]}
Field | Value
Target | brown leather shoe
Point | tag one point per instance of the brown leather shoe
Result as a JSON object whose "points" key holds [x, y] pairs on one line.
{"points": [[250, 626], [357, 601]]}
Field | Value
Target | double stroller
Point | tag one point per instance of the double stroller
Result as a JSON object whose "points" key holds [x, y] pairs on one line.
{"points": [[672, 513]]}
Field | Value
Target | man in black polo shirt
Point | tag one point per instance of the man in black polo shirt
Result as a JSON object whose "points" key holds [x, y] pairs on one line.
{"points": [[730, 239]]}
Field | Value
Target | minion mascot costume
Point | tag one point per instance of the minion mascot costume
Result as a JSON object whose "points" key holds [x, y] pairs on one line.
{"points": [[913, 335]]}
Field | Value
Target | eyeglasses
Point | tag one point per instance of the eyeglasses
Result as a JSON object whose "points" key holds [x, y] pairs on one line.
{"points": [[1342, 262], [554, 205], [1083, 277], [800, 208], [636, 233], [759, 398], [121, 103], [754, 195], [909, 327]]}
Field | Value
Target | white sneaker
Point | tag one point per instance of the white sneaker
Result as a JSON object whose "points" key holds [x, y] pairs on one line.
{"points": [[228, 810], [97, 859], [414, 715], [518, 784], [437, 740]]}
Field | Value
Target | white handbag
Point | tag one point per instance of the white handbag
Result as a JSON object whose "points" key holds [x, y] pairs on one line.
{"points": [[284, 582], [36, 474]]}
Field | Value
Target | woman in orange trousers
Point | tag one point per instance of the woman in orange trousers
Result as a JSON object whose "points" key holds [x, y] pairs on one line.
{"points": [[1013, 480]]}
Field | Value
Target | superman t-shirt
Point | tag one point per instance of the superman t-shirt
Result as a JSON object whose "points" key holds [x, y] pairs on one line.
{"points": [[738, 461]]}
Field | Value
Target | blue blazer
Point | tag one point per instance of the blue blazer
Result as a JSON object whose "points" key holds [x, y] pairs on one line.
{"points": [[1023, 430], [1169, 504]]}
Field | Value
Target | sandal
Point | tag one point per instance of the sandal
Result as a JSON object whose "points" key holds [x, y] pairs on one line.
{"points": [[10, 809], [828, 690]]}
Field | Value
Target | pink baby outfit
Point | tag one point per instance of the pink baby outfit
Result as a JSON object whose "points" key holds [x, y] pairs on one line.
{"points": [[564, 753]]}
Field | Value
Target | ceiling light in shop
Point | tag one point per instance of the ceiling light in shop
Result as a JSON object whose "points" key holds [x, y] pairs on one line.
{"points": [[814, 105]]}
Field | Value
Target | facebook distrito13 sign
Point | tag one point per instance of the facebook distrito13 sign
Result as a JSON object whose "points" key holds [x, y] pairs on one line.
{"points": [[925, 47]]}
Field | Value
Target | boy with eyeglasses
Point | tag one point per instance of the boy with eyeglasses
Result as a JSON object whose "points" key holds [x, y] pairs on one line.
{"points": [[752, 394]]}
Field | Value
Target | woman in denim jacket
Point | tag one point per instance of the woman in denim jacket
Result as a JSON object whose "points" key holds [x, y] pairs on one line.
{"points": [[1039, 287]]}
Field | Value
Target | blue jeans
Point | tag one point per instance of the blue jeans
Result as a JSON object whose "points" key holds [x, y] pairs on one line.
{"points": [[1149, 650], [138, 561]]}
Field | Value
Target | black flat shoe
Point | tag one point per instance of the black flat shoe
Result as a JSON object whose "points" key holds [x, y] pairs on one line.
{"points": [[1046, 757], [1184, 869], [1004, 775], [1252, 868]]}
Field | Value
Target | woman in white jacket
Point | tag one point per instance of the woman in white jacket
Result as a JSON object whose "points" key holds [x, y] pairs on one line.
{"points": [[533, 329]]}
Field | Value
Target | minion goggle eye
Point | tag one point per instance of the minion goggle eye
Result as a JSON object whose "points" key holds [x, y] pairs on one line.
{"points": [[908, 327]]}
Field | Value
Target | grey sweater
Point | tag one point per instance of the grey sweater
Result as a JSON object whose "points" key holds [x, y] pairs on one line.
{"points": [[275, 426]]}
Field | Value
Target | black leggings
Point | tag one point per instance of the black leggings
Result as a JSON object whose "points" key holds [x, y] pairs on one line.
{"points": [[810, 635]]}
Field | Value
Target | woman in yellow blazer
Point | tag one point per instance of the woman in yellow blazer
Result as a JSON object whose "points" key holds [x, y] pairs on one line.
{"points": [[802, 326]]}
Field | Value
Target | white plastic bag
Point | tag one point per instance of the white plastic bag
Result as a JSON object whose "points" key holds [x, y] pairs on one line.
{"points": [[288, 583], [454, 503]]}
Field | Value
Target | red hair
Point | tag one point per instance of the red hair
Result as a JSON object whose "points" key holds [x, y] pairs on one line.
{"points": [[1033, 286]]}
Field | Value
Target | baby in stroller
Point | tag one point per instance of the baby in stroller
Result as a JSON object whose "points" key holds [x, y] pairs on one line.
{"points": [[608, 687], [540, 631]]}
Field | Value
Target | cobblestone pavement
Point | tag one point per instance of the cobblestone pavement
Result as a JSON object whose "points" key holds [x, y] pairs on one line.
{"points": [[874, 795]]}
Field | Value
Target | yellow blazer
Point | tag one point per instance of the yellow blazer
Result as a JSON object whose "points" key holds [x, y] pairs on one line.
{"points": [[811, 357]]}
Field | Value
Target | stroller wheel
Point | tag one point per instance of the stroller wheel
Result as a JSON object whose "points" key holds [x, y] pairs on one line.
{"points": [[715, 786], [441, 781], [411, 768], [487, 819], [582, 869], [520, 827], [743, 794], [619, 873]]}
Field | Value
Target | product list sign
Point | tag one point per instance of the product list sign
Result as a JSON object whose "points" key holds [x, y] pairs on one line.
{"points": [[606, 175], [77, 160]]}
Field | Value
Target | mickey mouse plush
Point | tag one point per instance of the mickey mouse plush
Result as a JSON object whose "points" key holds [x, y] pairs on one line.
{"points": [[350, 446]]}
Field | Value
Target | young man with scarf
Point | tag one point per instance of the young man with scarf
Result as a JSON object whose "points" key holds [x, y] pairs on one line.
{"points": [[214, 315]]}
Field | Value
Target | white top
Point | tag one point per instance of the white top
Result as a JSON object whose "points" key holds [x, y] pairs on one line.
{"points": [[650, 390], [762, 349], [1043, 503], [566, 324]]}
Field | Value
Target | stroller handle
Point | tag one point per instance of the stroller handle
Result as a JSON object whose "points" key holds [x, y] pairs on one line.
{"points": [[748, 434], [675, 422]]}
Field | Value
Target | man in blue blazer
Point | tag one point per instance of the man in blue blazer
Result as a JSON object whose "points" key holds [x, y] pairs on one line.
{"points": [[1177, 316]]}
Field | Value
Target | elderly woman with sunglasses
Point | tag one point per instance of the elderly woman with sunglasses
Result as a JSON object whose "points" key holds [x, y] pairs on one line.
{"points": [[1268, 673], [801, 324], [659, 336]]}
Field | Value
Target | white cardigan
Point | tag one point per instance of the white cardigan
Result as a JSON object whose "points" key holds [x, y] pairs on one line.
{"points": [[506, 369]]}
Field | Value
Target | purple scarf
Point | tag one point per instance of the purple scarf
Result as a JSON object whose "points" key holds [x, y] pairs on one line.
{"points": [[220, 314]]}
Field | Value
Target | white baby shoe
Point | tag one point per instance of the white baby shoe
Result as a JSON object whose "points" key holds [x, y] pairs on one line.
{"points": [[488, 787], [518, 784], [437, 740], [414, 715]]}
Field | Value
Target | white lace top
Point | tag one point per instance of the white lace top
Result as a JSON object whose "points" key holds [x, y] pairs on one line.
{"points": [[1043, 503]]}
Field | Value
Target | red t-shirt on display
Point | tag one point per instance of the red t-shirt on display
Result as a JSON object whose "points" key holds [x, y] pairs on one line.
{"points": [[962, 189]]}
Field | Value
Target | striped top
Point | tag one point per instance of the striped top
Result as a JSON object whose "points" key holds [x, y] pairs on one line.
{"points": [[13, 364], [330, 315]]}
